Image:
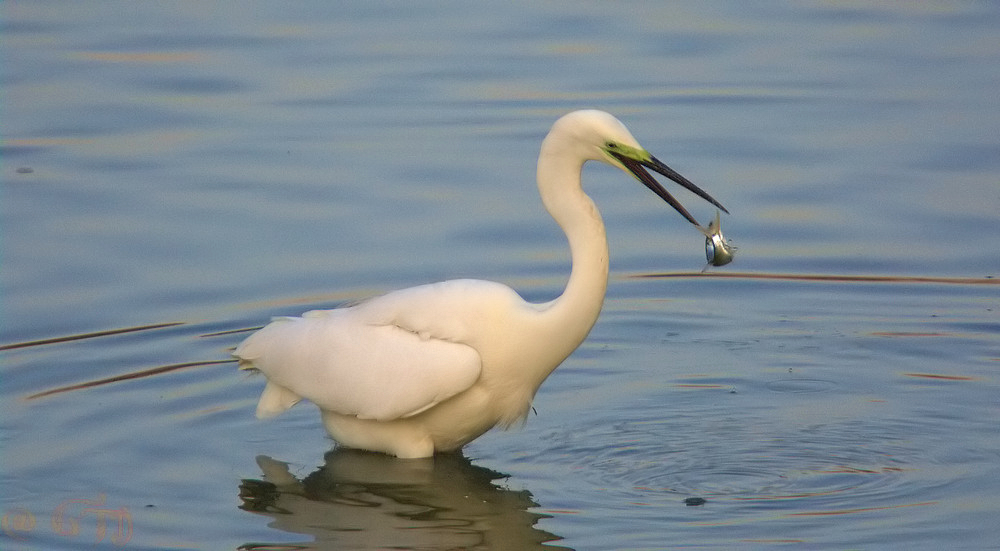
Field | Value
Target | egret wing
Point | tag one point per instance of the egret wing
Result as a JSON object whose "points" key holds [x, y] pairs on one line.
{"points": [[343, 363]]}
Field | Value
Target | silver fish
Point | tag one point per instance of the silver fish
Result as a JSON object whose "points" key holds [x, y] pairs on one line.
{"points": [[718, 251]]}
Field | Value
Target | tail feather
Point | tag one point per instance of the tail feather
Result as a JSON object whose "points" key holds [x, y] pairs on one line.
{"points": [[246, 365], [275, 400]]}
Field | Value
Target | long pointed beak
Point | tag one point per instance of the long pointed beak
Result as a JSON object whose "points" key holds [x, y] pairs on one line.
{"points": [[637, 170]]}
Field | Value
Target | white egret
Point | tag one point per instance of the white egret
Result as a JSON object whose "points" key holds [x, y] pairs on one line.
{"points": [[430, 368]]}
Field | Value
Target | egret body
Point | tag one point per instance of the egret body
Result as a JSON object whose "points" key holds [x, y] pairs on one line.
{"points": [[430, 368]]}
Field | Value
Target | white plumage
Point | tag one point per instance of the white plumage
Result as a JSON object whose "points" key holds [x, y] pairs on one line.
{"points": [[432, 367]]}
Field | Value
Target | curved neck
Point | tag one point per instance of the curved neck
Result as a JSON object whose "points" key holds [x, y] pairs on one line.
{"points": [[574, 313]]}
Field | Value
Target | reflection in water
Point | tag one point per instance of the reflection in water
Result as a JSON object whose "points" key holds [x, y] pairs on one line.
{"points": [[988, 280], [365, 500]]}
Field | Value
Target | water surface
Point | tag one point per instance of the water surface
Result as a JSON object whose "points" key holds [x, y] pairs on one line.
{"points": [[176, 174]]}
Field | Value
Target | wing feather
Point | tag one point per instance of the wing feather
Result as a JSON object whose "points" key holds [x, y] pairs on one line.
{"points": [[342, 362]]}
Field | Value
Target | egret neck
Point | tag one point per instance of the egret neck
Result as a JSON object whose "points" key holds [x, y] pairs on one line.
{"points": [[574, 313]]}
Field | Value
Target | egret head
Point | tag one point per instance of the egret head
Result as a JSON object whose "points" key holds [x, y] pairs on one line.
{"points": [[607, 140]]}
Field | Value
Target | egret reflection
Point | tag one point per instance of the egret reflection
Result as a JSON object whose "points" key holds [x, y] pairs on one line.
{"points": [[359, 499]]}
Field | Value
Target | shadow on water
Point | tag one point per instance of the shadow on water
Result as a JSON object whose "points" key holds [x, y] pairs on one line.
{"points": [[362, 499]]}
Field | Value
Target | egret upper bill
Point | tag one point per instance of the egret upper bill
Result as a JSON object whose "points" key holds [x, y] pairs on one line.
{"points": [[430, 368]]}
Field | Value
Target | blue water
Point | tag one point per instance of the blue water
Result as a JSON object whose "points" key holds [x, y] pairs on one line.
{"points": [[176, 173]]}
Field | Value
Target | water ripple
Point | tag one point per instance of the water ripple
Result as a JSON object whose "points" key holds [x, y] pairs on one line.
{"points": [[819, 468]]}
